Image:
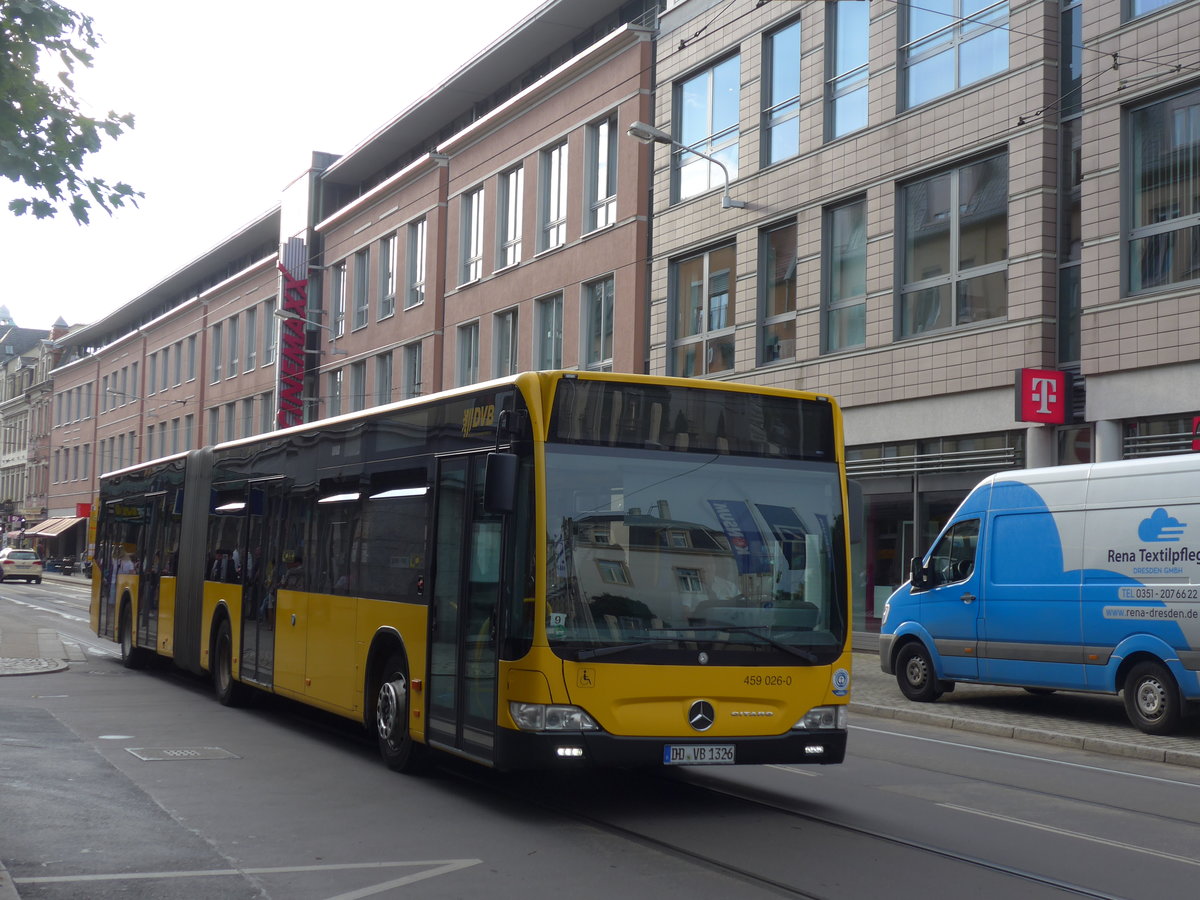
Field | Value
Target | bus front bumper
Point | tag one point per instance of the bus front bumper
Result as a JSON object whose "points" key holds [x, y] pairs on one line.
{"points": [[517, 750]]}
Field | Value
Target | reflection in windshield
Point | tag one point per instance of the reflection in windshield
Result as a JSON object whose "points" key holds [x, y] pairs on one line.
{"points": [[657, 549]]}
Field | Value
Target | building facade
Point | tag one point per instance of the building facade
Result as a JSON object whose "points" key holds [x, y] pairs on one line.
{"points": [[903, 206]]}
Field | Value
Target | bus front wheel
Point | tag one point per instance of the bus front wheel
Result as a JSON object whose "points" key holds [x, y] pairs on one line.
{"points": [[915, 674], [396, 745], [1152, 699]]}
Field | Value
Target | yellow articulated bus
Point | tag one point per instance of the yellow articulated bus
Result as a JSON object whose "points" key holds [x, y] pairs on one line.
{"points": [[553, 569]]}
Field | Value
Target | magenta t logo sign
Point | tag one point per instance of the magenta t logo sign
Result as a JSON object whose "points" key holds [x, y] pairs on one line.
{"points": [[1041, 396]]}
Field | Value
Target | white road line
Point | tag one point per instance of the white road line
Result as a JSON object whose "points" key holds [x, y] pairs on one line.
{"points": [[1044, 759], [437, 867], [1073, 834]]}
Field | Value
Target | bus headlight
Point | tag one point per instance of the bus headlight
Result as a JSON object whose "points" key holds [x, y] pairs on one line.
{"points": [[550, 717], [822, 718]]}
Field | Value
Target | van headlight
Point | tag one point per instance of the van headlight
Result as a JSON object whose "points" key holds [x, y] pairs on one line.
{"points": [[887, 608], [550, 717], [823, 718]]}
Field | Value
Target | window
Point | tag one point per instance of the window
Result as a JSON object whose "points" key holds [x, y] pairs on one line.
{"points": [[707, 120], [151, 374], [781, 115], [383, 378], [549, 332], [846, 87], [230, 421], [613, 571], [955, 265], [358, 386], [337, 300], [191, 357], [1145, 7], [335, 392], [362, 260], [599, 323], [387, 276], [602, 174], [512, 197], [468, 353], [175, 448], [412, 370], [951, 44], [270, 332], [702, 313], [189, 425], [216, 353], [214, 425], [266, 410], [554, 196], [251, 339], [248, 417], [1164, 193], [505, 329], [231, 328], [414, 293], [777, 280], [472, 237], [166, 368], [846, 276], [689, 580]]}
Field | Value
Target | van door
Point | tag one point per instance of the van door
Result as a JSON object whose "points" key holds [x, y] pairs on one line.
{"points": [[950, 605]]}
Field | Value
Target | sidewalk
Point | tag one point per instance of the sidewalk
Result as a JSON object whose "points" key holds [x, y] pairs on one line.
{"points": [[1094, 722]]}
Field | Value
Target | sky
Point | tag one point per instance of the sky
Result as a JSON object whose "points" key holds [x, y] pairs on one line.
{"points": [[230, 98]]}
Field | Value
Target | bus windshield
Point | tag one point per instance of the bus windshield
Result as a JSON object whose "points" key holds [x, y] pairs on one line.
{"points": [[652, 554]]}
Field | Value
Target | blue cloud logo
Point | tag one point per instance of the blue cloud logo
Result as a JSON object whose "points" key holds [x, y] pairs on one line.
{"points": [[1160, 528]]}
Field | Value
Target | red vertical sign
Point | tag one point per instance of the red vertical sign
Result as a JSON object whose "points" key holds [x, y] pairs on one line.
{"points": [[1196, 433], [291, 352]]}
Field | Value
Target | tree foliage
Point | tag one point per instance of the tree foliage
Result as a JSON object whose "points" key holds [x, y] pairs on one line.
{"points": [[44, 135]]}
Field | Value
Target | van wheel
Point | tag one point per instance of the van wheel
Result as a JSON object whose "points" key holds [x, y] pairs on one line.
{"points": [[915, 675], [1152, 699], [396, 746]]}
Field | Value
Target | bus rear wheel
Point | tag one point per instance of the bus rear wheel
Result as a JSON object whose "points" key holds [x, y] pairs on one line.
{"points": [[131, 657], [229, 692], [400, 753], [1152, 699]]}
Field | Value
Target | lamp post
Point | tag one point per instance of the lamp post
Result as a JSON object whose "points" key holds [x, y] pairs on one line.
{"points": [[648, 134]]}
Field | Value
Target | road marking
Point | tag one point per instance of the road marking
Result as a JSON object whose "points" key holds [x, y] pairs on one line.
{"points": [[1074, 834], [1044, 759], [437, 867], [53, 612], [792, 770]]}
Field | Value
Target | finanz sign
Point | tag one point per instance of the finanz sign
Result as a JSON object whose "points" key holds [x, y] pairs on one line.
{"points": [[1042, 396]]}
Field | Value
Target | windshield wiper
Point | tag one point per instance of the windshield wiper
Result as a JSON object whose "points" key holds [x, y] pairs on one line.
{"points": [[593, 652], [758, 632]]}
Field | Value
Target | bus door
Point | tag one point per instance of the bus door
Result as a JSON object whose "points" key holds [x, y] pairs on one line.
{"points": [[148, 567], [466, 588], [255, 572]]}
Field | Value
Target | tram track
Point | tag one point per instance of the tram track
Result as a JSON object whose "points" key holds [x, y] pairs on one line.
{"points": [[686, 792]]}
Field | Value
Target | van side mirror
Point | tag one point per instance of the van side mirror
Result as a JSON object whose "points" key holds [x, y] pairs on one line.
{"points": [[919, 575], [500, 483]]}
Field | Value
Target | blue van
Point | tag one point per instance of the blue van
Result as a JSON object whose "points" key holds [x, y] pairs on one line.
{"points": [[1081, 578]]}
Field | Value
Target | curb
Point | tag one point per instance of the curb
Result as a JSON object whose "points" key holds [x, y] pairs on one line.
{"points": [[8, 890], [1124, 749]]}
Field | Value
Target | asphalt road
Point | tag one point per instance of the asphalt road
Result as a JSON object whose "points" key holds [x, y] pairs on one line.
{"points": [[137, 784]]}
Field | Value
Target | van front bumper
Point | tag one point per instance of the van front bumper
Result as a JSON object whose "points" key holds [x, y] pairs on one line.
{"points": [[885, 653]]}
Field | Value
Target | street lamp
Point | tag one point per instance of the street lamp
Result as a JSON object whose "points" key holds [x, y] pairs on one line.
{"points": [[648, 134], [288, 315]]}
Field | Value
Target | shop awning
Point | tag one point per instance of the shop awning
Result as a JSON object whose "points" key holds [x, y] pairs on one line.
{"points": [[53, 527]]}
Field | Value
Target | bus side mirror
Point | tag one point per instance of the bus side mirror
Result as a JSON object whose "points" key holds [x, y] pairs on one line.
{"points": [[919, 575], [500, 483]]}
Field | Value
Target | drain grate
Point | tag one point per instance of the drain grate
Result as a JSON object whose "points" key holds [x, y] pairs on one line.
{"points": [[156, 754]]}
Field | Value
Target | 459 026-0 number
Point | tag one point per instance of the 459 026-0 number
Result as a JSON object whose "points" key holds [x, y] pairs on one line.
{"points": [[768, 680]]}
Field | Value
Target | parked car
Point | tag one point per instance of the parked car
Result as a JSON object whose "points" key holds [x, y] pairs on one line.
{"points": [[16, 563]]}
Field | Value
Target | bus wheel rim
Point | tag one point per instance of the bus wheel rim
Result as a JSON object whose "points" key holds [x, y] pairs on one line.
{"points": [[391, 708]]}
